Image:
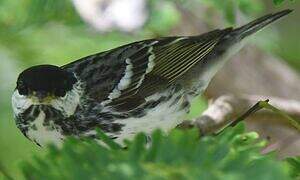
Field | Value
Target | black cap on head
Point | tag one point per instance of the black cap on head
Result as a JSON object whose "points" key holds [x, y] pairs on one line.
{"points": [[45, 79]]}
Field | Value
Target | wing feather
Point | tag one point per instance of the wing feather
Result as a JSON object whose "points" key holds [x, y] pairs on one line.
{"points": [[170, 60]]}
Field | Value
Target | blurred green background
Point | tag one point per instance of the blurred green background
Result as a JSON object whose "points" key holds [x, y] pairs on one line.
{"points": [[51, 32]]}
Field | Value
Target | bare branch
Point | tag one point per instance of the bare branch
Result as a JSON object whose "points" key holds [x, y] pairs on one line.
{"points": [[226, 109]]}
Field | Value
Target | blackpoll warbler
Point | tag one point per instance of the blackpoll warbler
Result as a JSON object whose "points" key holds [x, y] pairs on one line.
{"points": [[136, 87]]}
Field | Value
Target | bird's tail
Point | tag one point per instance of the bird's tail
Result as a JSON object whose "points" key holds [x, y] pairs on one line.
{"points": [[258, 24]]}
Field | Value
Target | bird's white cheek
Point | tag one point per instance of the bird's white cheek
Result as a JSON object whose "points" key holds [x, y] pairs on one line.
{"points": [[20, 103], [68, 104]]}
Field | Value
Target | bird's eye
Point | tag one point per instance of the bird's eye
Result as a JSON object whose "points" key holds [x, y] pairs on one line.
{"points": [[60, 93], [23, 90]]}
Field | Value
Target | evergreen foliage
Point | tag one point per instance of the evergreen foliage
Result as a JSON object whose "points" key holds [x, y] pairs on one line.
{"points": [[231, 155]]}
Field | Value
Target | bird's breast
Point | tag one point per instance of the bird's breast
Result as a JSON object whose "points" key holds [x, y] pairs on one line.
{"points": [[39, 124], [43, 131]]}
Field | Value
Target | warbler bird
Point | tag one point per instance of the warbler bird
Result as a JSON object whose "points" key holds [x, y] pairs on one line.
{"points": [[134, 88]]}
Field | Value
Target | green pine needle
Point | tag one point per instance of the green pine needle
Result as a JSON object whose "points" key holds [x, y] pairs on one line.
{"points": [[233, 154], [291, 120]]}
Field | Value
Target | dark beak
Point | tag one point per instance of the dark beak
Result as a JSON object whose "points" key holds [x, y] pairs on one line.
{"points": [[41, 95]]}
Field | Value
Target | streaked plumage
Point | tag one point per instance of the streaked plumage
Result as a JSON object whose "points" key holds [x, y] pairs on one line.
{"points": [[136, 87]]}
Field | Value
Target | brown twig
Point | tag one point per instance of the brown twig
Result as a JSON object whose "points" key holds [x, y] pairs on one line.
{"points": [[224, 111]]}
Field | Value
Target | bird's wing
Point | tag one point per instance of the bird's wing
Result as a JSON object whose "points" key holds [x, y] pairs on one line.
{"points": [[140, 69]]}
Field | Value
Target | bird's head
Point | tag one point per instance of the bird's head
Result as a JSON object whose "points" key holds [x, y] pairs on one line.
{"points": [[44, 85], [45, 82]]}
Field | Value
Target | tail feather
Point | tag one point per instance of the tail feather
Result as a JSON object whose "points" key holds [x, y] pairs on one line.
{"points": [[258, 24]]}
